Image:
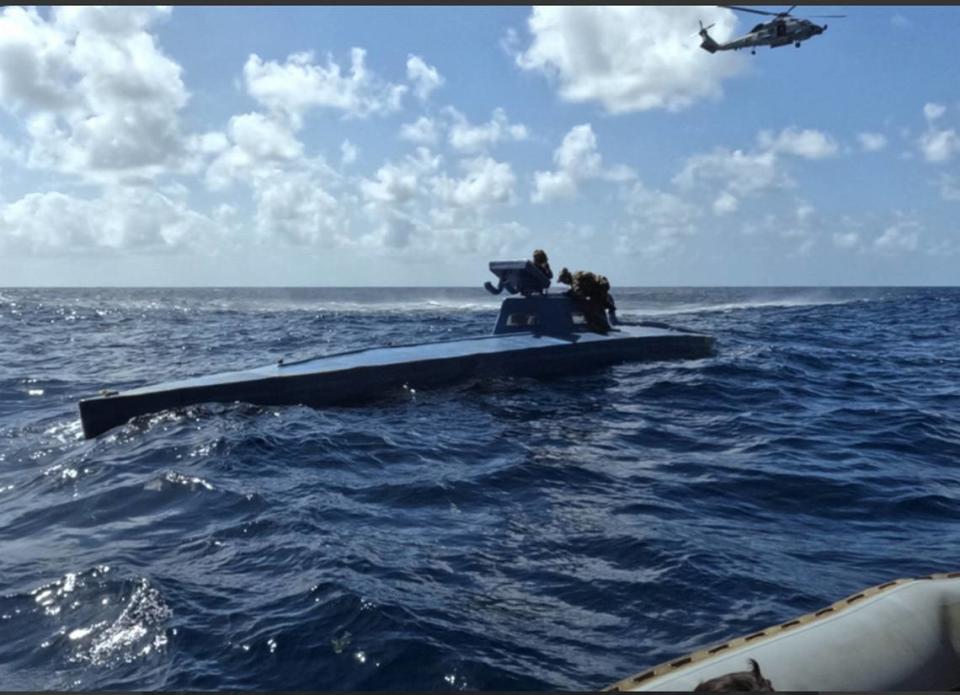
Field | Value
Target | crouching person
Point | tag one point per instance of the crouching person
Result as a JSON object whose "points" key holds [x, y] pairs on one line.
{"points": [[594, 291]]}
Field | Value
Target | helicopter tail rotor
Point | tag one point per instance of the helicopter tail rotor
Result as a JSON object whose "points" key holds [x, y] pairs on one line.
{"points": [[708, 44]]}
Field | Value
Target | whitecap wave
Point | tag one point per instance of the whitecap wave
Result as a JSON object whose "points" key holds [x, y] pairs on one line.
{"points": [[174, 479], [98, 629], [736, 306], [136, 632]]}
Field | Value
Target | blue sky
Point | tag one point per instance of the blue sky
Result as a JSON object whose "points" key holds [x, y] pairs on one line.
{"points": [[411, 145]]}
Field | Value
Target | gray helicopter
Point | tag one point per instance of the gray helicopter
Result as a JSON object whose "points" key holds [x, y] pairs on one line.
{"points": [[783, 29]]}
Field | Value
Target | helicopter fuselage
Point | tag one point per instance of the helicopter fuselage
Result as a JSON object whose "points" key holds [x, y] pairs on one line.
{"points": [[777, 32]]}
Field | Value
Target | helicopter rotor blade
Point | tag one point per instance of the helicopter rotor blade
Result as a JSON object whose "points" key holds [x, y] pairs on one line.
{"points": [[750, 9], [792, 8], [704, 28], [826, 16]]}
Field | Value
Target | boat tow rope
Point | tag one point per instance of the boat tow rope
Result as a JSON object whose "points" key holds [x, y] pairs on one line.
{"points": [[834, 608]]}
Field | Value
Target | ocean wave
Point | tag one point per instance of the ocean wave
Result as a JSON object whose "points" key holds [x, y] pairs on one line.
{"points": [[726, 307], [87, 618], [502, 534]]}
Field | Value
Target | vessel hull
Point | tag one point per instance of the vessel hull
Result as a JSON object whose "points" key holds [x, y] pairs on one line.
{"points": [[360, 375]]}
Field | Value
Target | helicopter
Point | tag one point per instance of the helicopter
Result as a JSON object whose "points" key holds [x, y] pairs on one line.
{"points": [[783, 29]]}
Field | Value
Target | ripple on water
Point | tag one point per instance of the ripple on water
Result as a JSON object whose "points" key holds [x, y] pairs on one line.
{"points": [[90, 618], [505, 534]]}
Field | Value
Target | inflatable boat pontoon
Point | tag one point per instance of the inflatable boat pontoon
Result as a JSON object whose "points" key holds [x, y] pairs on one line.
{"points": [[902, 635], [536, 334]]}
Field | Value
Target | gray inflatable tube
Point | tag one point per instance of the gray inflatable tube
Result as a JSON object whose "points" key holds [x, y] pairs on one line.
{"points": [[902, 635]]}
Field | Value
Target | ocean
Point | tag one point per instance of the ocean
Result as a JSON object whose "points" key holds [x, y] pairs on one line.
{"points": [[506, 534]]}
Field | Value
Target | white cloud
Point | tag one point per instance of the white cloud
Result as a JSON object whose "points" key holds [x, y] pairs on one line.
{"points": [[949, 188], [939, 145], [630, 58], [263, 138], [399, 183], [725, 203], [664, 212], [447, 232], [107, 21], [846, 240], [577, 159], [485, 182], [348, 152], [578, 152], [35, 63], [392, 184], [901, 234], [634, 240], [414, 207], [795, 229], [294, 207], [872, 142], [422, 131], [395, 231], [933, 111], [299, 84], [941, 248], [619, 173], [804, 212], [738, 172], [485, 238], [123, 219], [466, 137], [424, 77], [809, 144], [552, 185], [898, 237], [804, 249], [10, 151], [256, 143], [730, 175], [656, 223], [900, 22], [292, 192], [209, 143], [98, 97]]}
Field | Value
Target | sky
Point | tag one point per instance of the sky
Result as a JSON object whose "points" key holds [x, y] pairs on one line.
{"points": [[410, 146]]}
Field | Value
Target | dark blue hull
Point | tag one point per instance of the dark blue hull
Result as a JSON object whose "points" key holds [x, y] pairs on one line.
{"points": [[358, 375]]}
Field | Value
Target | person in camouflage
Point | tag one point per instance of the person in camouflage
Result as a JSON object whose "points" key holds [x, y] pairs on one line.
{"points": [[540, 260], [594, 292]]}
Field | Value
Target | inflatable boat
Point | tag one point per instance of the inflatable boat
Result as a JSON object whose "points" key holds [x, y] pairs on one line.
{"points": [[901, 635], [536, 334]]}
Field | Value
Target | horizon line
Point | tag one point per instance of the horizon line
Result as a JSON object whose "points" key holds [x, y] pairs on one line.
{"points": [[441, 287]]}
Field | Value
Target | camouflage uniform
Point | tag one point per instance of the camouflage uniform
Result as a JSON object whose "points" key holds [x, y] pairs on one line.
{"points": [[594, 293], [540, 260]]}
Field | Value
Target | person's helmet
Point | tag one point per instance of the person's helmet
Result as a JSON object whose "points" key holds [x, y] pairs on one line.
{"points": [[565, 277], [539, 257], [587, 284]]}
